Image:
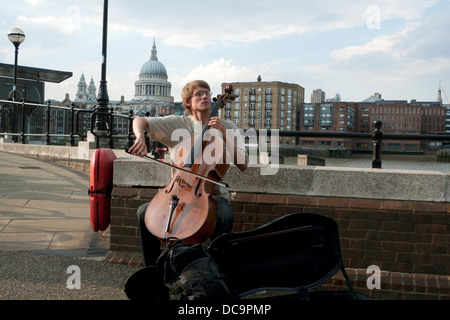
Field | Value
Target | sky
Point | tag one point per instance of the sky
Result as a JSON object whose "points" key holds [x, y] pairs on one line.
{"points": [[400, 49]]}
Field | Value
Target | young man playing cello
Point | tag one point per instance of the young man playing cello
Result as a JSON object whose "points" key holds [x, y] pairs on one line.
{"points": [[196, 96]]}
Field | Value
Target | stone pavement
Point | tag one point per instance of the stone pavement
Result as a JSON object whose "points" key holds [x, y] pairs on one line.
{"points": [[45, 229]]}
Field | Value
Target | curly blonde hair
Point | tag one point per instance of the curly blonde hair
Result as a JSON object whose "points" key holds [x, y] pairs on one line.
{"points": [[188, 91]]}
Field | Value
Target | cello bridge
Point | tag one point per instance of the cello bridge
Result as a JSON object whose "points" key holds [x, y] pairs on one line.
{"points": [[182, 183]]}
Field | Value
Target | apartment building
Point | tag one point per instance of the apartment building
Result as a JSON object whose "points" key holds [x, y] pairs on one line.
{"points": [[265, 105], [333, 116], [317, 96]]}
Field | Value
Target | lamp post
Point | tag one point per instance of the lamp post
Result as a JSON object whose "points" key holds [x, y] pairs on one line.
{"points": [[103, 99], [16, 36]]}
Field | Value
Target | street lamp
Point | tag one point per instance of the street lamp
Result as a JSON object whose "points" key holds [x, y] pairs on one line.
{"points": [[103, 98], [16, 36]]}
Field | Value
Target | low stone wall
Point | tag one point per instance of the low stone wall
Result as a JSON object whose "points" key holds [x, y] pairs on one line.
{"points": [[397, 220]]}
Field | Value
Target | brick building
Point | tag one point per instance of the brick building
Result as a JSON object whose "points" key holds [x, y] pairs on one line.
{"points": [[398, 116]]}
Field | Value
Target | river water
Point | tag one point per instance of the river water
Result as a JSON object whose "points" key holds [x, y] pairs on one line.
{"points": [[403, 162]]}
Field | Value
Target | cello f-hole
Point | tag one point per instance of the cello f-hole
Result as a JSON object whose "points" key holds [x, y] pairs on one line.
{"points": [[171, 187], [198, 194]]}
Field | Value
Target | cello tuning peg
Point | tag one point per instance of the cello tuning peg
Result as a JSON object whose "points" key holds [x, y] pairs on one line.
{"points": [[229, 89]]}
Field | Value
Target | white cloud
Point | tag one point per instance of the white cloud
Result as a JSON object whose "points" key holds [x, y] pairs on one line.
{"points": [[67, 25], [185, 24], [33, 2], [319, 43], [215, 73], [384, 43]]}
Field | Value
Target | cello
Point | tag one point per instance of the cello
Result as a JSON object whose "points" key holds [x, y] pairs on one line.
{"points": [[185, 209]]}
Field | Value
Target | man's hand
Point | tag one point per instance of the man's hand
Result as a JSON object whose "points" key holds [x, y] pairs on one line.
{"points": [[139, 148]]}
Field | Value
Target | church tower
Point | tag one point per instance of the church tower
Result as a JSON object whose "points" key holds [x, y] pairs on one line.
{"points": [[92, 91], [81, 95], [85, 92], [439, 97]]}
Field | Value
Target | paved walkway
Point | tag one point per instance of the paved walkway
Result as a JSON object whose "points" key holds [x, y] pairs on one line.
{"points": [[45, 228], [43, 207]]}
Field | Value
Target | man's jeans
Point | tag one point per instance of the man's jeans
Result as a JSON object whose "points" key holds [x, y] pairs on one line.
{"points": [[151, 246]]}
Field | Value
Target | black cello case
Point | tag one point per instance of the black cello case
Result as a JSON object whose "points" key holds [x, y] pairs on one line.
{"points": [[295, 253]]}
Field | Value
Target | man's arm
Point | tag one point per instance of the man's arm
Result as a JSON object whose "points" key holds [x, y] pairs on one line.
{"points": [[240, 159], [139, 147]]}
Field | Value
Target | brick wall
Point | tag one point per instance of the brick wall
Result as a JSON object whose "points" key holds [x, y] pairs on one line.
{"points": [[408, 240], [125, 244]]}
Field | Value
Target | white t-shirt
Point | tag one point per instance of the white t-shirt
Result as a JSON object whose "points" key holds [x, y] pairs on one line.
{"points": [[174, 131]]}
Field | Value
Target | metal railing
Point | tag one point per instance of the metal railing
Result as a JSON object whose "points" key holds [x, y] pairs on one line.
{"points": [[53, 124], [63, 125]]}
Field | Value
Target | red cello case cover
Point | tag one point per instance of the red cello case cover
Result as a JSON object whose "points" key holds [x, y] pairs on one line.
{"points": [[101, 183]]}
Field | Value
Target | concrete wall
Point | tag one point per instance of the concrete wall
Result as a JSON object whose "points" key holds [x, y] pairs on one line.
{"points": [[383, 184]]}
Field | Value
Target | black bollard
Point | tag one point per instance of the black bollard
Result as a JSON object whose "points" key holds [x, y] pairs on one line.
{"points": [[377, 137]]}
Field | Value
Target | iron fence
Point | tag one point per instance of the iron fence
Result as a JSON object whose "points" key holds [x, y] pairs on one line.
{"points": [[61, 125], [66, 125]]}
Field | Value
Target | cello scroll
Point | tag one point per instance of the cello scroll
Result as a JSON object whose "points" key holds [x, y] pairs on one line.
{"points": [[229, 95]]}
